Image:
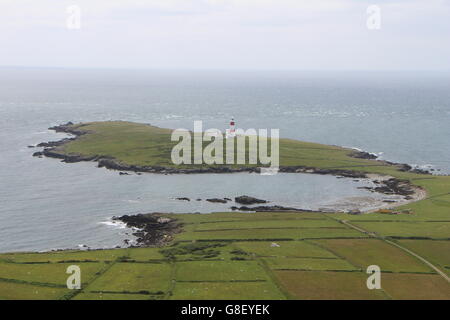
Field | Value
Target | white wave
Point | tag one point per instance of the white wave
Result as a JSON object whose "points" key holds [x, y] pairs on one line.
{"points": [[423, 166], [132, 201], [377, 154], [354, 148], [173, 116], [114, 224]]}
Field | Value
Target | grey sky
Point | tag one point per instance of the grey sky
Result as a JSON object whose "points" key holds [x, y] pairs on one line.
{"points": [[227, 34]]}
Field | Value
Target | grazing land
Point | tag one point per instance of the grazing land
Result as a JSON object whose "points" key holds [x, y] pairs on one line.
{"points": [[138, 147], [244, 267], [260, 255]]}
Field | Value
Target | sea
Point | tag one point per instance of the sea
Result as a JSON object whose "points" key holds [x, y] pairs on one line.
{"points": [[47, 205]]}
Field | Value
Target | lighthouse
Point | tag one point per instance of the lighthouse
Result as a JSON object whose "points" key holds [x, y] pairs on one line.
{"points": [[231, 132]]}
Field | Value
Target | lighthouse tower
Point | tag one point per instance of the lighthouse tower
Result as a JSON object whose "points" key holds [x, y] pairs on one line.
{"points": [[231, 132]]}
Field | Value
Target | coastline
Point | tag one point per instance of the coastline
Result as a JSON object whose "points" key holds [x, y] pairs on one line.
{"points": [[51, 151], [149, 232]]}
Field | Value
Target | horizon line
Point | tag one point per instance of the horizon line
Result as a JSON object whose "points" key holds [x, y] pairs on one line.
{"points": [[222, 69]]}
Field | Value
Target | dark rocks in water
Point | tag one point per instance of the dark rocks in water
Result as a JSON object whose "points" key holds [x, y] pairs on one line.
{"points": [[248, 200], [113, 164], [38, 154], [69, 128], [183, 199], [68, 124], [396, 186], [363, 155], [198, 199], [52, 144], [228, 199], [402, 166], [68, 158], [124, 173], [407, 168], [153, 229], [420, 171], [393, 186], [31, 147], [62, 127], [335, 172], [216, 200]]}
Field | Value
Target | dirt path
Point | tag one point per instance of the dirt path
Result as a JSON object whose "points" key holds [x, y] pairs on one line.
{"points": [[372, 234], [420, 258]]}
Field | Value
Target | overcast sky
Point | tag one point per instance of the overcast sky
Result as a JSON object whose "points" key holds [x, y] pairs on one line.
{"points": [[227, 34]]}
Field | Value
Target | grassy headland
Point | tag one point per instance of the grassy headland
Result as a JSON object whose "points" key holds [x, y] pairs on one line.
{"points": [[141, 145], [263, 255]]}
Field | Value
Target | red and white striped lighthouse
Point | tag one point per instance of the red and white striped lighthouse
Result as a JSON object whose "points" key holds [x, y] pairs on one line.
{"points": [[231, 132], [232, 126]]}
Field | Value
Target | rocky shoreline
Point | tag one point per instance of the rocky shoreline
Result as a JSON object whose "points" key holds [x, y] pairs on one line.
{"points": [[403, 191], [384, 185], [153, 229], [156, 229], [50, 150]]}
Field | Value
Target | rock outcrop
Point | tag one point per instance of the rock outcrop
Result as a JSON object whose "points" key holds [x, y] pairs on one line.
{"points": [[247, 200], [151, 229]]}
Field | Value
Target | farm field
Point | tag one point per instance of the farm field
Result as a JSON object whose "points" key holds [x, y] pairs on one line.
{"points": [[327, 285], [332, 267], [415, 286], [438, 252], [430, 230], [365, 252]]}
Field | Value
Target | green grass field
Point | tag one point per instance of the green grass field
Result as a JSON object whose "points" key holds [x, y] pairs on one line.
{"points": [[327, 268], [145, 145], [324, 285], [438, 252], [263, 255], [365, 252]]}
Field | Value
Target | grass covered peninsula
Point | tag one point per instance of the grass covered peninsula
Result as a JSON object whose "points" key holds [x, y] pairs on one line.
{"points": [[142, 147], [261, 255]]}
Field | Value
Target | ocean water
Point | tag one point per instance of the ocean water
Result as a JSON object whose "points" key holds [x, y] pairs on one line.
{"points": [[45, 204]]}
